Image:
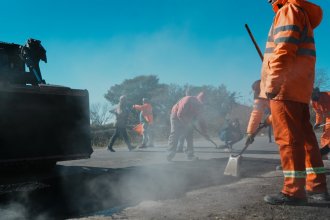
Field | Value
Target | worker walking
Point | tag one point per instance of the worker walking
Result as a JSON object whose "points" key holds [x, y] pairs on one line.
{"points": [[122, 112], [321, 106], [184, 114], [146, 119], [287, 78]]}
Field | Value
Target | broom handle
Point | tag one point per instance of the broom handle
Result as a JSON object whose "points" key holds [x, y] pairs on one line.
{"points": [[254, 42]]}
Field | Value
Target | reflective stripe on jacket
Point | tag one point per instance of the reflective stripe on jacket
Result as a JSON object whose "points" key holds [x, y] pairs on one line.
{"points": [[288, 68]]}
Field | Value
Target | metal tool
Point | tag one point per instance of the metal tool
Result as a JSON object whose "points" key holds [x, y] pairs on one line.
{"points": [[233, 165]]}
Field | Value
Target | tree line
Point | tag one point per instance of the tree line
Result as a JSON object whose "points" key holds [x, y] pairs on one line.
{"points": [[219, 104]]}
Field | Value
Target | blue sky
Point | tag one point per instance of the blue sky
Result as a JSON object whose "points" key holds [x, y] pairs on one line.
{"points": [[94, 44]]}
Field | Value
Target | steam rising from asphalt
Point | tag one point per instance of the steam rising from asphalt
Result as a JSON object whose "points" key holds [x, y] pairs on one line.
{"points": [[19, 210], [13, 211]]}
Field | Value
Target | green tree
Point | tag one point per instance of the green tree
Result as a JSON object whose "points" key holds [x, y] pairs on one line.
{"points": [[135, 89]]}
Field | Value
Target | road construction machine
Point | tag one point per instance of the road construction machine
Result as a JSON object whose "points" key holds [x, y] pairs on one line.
{"points": [[40, 123]]}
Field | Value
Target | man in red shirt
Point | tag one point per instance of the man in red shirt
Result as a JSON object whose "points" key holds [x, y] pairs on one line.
{"points": [[184, 114]]}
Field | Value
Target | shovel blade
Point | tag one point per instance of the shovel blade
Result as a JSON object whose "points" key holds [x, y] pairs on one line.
{"points": [[233, 166]]}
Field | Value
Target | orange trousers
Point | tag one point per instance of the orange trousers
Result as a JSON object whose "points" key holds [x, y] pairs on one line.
{"points": [[298, 146]]}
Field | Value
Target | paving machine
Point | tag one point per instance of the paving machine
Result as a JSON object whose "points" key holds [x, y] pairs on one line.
{"points": [[40, 123]]}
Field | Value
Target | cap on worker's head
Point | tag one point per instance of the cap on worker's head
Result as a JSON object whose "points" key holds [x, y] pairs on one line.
{"points": [[316, 94], [277, 4], [201, 97]]}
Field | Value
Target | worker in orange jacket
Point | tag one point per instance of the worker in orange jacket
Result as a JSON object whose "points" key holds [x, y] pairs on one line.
{"points": [[287, 78], [146, 119], [321, 106], [260, 106]]}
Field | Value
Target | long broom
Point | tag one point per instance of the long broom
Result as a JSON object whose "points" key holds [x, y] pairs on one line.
{"points": [[233, 165]]}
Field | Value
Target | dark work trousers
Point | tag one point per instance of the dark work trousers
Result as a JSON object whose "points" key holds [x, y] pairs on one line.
{"points": [[179, 129], [120, 131]]}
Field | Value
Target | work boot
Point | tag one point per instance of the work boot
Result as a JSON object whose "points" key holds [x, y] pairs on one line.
{"points": [[322, 197], [283, 199], [130, 148], [192, 157], [142, 146], [170, 156], [111, 149]]}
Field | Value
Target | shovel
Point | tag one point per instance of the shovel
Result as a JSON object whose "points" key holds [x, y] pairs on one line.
{"points": [[233, 165]]}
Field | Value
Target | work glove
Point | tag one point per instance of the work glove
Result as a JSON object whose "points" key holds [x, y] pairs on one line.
{"points": [[263, 125], [270, 95], [316, 126], [249, 139]]}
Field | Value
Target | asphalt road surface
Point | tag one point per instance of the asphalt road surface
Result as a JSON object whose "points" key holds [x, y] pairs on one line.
{"points": [[142, 184]]}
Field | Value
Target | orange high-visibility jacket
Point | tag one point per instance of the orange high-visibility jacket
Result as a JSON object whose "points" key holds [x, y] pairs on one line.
{"points": [[322, 110], [259, 107], [146, 110], [322, 107], [288, 68]]}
